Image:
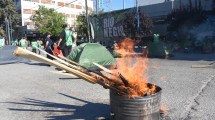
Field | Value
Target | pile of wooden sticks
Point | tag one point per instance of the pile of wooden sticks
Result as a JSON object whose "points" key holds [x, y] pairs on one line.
{"points": [[113, 81]]}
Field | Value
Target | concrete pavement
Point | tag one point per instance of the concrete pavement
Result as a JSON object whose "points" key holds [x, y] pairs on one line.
{"points": [[31, 92]]}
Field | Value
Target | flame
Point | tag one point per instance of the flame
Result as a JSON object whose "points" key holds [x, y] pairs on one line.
{"points": [[133, 68]]}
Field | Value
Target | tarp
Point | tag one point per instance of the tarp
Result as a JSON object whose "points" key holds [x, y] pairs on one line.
{"points": [[7, 57], [87, 53], [158, 49]]}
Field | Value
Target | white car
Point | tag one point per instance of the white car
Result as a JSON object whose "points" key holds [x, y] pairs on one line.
{"points": [[2, 41]]}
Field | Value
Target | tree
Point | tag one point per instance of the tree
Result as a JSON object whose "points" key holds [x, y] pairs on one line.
{"points": [[81, 23], [130, 23], [48, 20], [7, 11]]}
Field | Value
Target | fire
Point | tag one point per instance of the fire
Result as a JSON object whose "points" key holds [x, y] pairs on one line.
{"points": [[133, 69]]}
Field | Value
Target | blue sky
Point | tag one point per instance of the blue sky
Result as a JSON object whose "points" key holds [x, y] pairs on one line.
{"points": [[118, 4]]}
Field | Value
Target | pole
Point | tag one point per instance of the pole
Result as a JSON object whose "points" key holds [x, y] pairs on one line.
{"points": [[86, 6], [123, 4], [8, 30], [11, 28], [96, 6], [138, 19]]}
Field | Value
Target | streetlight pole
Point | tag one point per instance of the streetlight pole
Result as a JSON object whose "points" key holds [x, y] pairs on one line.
{"points": [[7, 29], [138, 19], [11, 28], [86, 6], [123, 4]]}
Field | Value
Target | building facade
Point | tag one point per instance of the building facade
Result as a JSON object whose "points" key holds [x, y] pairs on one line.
{"points": [[159, 9], [70, 8]]}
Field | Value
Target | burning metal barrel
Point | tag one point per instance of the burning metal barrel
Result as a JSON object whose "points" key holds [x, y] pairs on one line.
{"points": [[138, 108]]}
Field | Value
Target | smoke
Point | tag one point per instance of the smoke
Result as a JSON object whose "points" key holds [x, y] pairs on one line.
{"points": [[207, 28]]}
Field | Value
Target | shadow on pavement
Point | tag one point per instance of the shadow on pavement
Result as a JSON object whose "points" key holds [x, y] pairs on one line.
{"points": [[60, 111], [38, 64]]}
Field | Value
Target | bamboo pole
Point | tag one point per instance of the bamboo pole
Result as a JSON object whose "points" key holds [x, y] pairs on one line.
{"points": [[20, 52]]}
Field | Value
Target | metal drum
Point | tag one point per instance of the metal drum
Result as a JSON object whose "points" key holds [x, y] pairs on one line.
{"points": [[138, 108]]}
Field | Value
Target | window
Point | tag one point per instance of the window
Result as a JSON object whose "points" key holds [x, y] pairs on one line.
{"points": [[72, 6], [35, 1], [67, 5], [60, 3], [46, 1], [27, 11], [90, 9], [78, 7], [53, 2]]}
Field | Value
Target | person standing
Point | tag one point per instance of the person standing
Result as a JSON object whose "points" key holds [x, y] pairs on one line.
{"points": [[74, 40], [23, 43], [2, 42], [48, 45], [39, 44], [34, 46], [65, 41]]}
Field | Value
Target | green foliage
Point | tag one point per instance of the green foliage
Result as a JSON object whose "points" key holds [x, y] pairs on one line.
{"points": [[130, 23], [7, 8], [48, 20], [81, 23], [181, 17]]}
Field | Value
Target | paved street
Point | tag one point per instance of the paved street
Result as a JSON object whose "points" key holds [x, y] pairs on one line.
{"points": [[31, 92]]}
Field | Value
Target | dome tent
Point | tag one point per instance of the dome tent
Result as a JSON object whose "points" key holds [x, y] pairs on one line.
{"points": [[87, 53]]}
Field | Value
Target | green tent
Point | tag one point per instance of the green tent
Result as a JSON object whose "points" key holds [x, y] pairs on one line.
{"points": [[158, 49], [87, 53]]}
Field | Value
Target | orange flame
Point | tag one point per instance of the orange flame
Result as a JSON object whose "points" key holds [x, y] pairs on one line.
{"points": [[133, 68]]}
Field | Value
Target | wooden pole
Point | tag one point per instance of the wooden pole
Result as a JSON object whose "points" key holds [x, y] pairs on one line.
{"points": [[20, 52]]}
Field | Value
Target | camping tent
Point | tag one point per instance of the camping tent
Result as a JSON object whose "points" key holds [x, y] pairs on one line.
{"points": [[87, 53]]}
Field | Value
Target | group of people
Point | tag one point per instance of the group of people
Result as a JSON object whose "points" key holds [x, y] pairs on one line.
{"points": [[66, 42], [24, 43]]}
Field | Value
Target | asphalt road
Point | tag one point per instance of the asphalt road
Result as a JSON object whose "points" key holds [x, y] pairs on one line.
{"points": [[32, 92]]}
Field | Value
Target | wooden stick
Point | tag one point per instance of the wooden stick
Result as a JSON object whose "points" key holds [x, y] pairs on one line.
{"points": [[125, 82], [66, 59], [97, 73], [66, 63], [103, 68], [20, 52]]}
